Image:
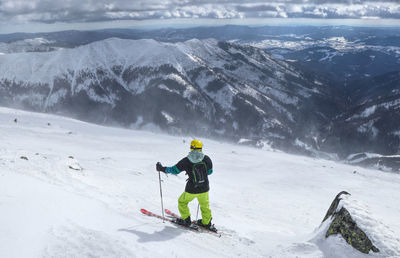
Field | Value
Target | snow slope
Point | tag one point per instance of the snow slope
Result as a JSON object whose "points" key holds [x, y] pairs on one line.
{"points": [[267, 204]]}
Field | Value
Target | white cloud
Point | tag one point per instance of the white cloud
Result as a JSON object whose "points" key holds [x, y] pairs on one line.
{"points": [[50, 11]]}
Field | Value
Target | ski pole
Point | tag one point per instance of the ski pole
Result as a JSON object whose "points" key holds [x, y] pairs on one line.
{"points": [[162, 205]]}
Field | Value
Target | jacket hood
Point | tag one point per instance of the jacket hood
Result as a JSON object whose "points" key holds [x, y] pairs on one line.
{"points": [[195, 156]]}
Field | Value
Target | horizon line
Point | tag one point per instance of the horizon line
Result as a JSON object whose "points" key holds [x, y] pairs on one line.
{"points": [[192, 23]]}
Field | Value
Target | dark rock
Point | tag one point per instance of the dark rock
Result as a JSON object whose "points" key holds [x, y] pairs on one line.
{"points": [[23, 157], [344, 224], [334, 205]]}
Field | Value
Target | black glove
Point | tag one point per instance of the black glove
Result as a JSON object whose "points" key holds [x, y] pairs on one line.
{"points": [[159, 167]]}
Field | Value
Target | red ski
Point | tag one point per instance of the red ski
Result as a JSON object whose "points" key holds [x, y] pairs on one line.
{"points": [[149, 213], [172, 214]]}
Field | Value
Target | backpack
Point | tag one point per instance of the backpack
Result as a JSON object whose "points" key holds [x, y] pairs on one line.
{"points": [[199, 173]]}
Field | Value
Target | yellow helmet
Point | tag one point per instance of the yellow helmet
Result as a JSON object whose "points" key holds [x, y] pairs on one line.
{"points": [[196, 145]]}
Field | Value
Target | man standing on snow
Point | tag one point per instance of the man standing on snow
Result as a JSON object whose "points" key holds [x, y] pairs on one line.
{"points": [[197, 166]]}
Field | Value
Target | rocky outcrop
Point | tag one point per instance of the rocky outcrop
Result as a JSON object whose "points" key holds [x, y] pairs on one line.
{"points": [[343, 224]]}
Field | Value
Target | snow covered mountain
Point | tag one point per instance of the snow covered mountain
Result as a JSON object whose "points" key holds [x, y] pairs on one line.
{"points": [[231, 89], [198, 86], [372, 122], [73, 189], [27, 45]]}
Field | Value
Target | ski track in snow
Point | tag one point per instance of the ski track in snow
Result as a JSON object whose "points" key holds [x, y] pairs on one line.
{"points": [[73, 189]]}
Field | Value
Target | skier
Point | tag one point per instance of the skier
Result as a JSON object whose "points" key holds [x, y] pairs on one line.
{"points": [[197, 166]]}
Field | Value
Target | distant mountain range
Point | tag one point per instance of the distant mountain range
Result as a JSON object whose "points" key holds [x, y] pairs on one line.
{"points": [[325, 90], [205, 87]]}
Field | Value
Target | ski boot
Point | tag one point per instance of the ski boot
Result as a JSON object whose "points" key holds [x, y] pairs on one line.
{"points": [[209, 226], [184, 222]]}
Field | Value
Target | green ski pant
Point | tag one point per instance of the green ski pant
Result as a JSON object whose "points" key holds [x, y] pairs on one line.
{"points": [[203, 200]]}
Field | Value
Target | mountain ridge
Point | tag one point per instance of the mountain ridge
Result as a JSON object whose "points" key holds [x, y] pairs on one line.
{"points": [[207, 87], [228, 89]]}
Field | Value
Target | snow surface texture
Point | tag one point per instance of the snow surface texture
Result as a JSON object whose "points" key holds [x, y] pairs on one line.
{"points": [[73, 189]]}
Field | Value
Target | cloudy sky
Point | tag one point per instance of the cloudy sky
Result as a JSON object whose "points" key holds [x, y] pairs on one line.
{"points": [[69, 12]]}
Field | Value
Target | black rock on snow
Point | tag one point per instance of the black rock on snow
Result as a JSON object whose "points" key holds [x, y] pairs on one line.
{"points": [[343, 224]]}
